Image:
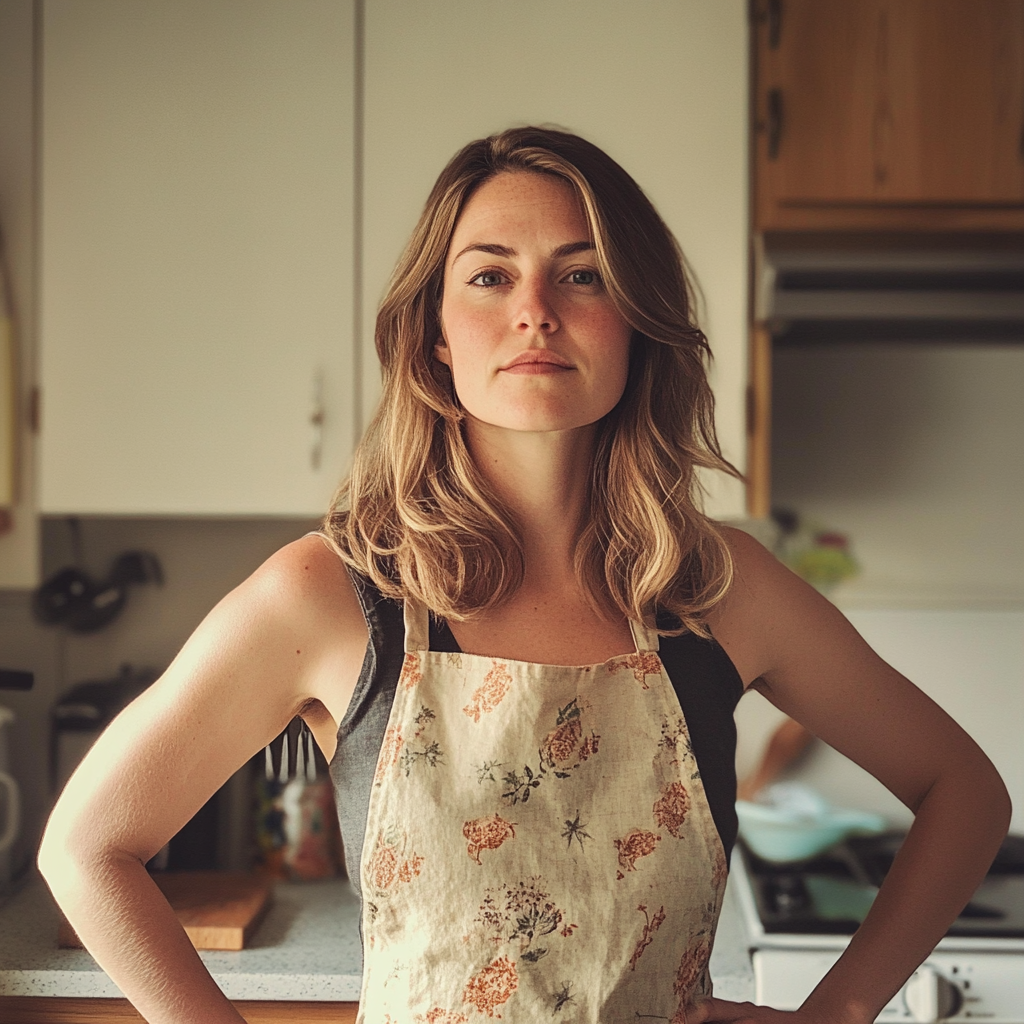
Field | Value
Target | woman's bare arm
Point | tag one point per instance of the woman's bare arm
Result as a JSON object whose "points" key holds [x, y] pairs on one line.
{"points": [[806, 658], [291, 634]]}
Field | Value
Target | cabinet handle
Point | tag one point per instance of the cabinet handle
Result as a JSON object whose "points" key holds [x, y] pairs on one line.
{"points": [[774, 23], [316, 420], [770, 12], [774, 123]]}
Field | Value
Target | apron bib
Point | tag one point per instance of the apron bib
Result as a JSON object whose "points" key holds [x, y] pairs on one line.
{"points": [[538, 844]]}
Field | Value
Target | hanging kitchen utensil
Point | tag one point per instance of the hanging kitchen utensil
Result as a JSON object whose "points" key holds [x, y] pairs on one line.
{"points": [[291, 755], [73, 599]]}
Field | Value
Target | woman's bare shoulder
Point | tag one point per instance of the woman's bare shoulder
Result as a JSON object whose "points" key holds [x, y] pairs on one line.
{"points": [[300, 605], [307, 580], [768, 611]]}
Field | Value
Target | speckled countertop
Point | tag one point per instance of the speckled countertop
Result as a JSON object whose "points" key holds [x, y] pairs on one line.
{"points": [[306, 948]]}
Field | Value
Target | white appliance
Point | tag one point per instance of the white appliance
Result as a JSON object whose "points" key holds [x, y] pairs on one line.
{"points": [[798, 920]]}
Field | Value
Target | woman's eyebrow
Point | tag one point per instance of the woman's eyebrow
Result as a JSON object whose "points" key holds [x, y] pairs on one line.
{"points": [[568, 249]]}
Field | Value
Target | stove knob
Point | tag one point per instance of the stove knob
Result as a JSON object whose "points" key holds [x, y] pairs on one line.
{"points": [[929, 997]]}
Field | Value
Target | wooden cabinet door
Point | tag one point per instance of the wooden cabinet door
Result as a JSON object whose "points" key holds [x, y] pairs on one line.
{"points": [[661, 86], [197, 255], [890, 113]]}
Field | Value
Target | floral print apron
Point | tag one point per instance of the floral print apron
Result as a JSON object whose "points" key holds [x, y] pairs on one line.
{"points": [[538, 844]]}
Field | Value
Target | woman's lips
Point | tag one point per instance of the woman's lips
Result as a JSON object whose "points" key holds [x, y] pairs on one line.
{"points": [[537, 368], [537, 362]]}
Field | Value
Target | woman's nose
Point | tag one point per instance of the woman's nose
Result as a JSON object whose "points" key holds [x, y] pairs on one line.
{"points": [[535, 310]]}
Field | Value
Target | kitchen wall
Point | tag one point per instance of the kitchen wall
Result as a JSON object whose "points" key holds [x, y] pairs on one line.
{"points": [[914, 451], [971, 662], [202, 560]]}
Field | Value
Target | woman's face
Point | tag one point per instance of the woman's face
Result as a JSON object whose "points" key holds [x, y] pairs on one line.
{"points": [[532, 338]]}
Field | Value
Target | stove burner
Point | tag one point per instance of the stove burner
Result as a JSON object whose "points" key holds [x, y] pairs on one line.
{"points": [[831, 894], [787, 894]]}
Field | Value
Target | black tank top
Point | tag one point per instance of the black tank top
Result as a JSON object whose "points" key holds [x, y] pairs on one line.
{"points": [[705, 680]]}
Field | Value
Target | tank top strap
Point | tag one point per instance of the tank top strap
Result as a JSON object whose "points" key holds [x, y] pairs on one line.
{"points": [[417, 625], [646, 639]]}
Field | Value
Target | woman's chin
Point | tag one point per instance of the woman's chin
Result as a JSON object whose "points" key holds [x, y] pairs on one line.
{"points": [[534, 422]]}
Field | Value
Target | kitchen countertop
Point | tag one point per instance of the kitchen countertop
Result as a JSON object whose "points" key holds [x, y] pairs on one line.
{"points": [[307, 948]]}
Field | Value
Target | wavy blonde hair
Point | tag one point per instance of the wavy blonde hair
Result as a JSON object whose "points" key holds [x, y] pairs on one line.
{"points": [[417, 518]]}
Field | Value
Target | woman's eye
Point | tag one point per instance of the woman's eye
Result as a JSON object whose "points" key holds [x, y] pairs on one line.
{"points": [[584, 277], [488, 279]]}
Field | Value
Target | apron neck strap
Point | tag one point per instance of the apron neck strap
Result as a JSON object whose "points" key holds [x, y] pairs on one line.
{"points": [[417, 625], [644, 638]]}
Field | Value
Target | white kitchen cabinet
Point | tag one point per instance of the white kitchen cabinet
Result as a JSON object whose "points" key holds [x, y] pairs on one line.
{"points": [[196, 255], [661, 85], [19, 545]]}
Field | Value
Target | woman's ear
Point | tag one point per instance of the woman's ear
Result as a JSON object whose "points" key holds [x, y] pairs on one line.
{"points": [[442, 353]]}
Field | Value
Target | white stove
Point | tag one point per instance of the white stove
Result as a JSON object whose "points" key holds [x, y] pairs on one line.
{"points": [[799, 919]]}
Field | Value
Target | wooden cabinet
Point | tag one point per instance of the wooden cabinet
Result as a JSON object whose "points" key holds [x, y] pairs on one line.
{"points": [[661, 86], [892, 115], [196, 255]]}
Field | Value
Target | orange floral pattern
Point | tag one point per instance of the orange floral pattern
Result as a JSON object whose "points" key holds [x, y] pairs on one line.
{"points": [[561, 753], [492, 987], [439, 1016], [490, 693], [671, 807], [642, 664], [691, 968], [487, 834], [412, 671], [560, 744], [390, 749], [650, 927], [388, 866], [636, 843]]}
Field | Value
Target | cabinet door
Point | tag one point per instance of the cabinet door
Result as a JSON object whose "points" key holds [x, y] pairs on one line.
{"points": [[196, 255], [19, 545], [660, 85], [917, 104]]}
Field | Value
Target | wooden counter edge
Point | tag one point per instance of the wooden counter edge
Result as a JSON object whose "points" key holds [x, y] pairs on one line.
{"points": [[65, 1010]]}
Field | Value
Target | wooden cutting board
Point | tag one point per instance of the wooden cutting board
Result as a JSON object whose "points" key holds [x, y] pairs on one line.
{"points": [[217, 909]]}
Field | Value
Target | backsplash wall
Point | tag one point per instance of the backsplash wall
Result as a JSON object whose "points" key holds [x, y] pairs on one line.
{"points": [[202, 560], [971, 663], [913, 450]]}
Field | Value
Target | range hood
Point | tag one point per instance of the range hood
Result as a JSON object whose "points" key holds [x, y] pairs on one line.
{"points": [[814, 296]]}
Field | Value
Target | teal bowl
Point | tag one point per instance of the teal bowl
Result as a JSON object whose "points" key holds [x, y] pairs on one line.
{"points": [[782, 837]]}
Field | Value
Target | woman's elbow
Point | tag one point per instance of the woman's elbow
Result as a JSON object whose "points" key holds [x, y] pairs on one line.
{"points": [[71, 851], [980, 787], [58, 861]]}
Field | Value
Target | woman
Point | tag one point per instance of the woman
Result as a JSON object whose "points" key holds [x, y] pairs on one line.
{"points": [[548, 758]]}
